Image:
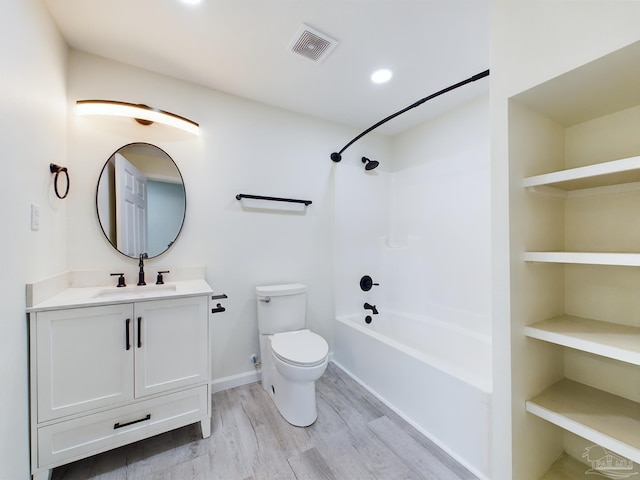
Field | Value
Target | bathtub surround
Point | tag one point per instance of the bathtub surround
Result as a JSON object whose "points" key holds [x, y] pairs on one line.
{"points": [[437, 253], [422, 231]]}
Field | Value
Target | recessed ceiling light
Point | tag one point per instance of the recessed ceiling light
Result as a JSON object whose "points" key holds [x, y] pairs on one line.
{"points": [[381, 76], [191, 2]]}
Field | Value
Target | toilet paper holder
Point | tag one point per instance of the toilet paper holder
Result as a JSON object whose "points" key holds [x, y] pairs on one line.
{"points": [[219, 308]]}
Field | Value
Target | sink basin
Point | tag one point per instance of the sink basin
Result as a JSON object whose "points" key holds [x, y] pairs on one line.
{"points": [[135, 291]]}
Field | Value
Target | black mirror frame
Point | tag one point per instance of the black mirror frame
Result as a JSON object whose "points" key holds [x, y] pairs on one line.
{"points": [[184, 215]]}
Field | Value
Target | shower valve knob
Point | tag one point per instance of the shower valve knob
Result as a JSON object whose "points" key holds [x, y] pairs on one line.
{"points": [[366, 283]]}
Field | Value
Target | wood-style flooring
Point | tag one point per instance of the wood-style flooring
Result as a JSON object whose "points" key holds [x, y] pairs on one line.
{"points": [[356, 437]]}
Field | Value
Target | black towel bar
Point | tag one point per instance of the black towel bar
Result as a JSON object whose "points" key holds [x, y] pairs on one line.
{"points": [[274, 199]]}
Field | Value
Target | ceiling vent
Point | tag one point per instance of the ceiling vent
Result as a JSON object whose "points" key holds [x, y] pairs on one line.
{"points": [[312, 44]]}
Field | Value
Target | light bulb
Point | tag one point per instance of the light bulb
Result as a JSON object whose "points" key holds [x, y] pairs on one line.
{"points": [[381, 76]]}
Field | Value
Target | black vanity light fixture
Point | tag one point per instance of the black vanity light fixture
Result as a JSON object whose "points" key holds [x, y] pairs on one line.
{"points": [[337, 156], [140, 113]]}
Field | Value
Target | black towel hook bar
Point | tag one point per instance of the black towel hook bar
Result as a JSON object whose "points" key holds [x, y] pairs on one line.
{"points": [[53, 168]]}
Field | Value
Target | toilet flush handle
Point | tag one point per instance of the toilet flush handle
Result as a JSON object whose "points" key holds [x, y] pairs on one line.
{"points": [[265, 299]]}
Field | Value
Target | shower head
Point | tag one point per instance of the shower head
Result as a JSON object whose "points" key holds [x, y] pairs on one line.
{"points": [[370, 164]]}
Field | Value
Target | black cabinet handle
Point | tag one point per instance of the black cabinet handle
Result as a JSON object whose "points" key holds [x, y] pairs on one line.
{"points": [[128, 337], [139, 332], [120, 425], [219, 309]]}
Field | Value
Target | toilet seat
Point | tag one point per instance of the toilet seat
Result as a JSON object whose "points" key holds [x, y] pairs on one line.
{"points": [[302, 348]]}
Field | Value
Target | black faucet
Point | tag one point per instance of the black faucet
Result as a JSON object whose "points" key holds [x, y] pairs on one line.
{"points": [[120, 279], [373, 308], [141, 272]]}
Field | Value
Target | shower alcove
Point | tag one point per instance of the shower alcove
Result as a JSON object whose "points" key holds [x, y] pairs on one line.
{"points": [[574, 155]]}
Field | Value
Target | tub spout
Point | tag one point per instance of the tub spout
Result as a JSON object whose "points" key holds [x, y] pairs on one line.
{"points": [[373, 308]]}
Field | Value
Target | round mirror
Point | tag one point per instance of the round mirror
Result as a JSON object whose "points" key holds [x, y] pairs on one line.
{"points": [[140, 200]]}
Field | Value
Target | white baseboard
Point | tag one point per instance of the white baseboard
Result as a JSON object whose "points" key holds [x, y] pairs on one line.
{"points": [[225, 383], [232, 381]]}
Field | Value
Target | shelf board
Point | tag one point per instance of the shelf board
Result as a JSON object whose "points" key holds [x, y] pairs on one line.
{"points": [[587, 258], [611, 340], [616, 172], [567, 468], [607, 420]]}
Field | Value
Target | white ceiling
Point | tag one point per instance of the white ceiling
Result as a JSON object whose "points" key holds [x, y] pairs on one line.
{"points": [[241, 47]]}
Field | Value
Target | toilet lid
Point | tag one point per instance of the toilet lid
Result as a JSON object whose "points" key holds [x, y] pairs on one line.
{"points": [[301, 347]]}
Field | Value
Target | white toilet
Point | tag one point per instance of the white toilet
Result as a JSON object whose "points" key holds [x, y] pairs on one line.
{"points": [[293, 358]]}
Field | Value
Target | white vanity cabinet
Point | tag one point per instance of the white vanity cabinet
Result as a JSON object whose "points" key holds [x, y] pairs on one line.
{"points": [[106, 375]]}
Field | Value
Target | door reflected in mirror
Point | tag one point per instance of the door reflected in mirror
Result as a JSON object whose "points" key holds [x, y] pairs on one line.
{"points": [[140, 200]]}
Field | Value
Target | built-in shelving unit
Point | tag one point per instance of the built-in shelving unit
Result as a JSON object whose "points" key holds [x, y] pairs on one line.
{"points": [[575, 242]]}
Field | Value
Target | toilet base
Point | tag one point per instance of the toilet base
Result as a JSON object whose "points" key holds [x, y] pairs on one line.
{"points": [[296, 401], [292, 388]]}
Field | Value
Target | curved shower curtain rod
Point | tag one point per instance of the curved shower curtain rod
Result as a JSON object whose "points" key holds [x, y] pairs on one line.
{"points": [[337, 156]]}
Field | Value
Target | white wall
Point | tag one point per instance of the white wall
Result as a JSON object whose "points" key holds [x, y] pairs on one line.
{"points": [[32, 126], [244, 147], [531, 42]]}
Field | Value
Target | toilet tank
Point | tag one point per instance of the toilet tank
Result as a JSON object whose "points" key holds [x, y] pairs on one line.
{"points": [[284, 311]]}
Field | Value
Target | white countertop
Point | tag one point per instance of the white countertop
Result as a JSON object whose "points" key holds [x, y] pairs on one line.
{"points": [[81, 296]]}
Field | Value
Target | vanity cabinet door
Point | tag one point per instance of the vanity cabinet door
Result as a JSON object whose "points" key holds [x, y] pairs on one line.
{"points": [[83, 359], [171, 344]]}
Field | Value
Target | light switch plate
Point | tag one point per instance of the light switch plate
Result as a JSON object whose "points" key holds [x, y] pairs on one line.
{"points": [[35, 217]]}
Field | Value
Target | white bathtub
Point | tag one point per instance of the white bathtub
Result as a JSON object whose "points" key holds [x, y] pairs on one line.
{"points": [[435, 376]]}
